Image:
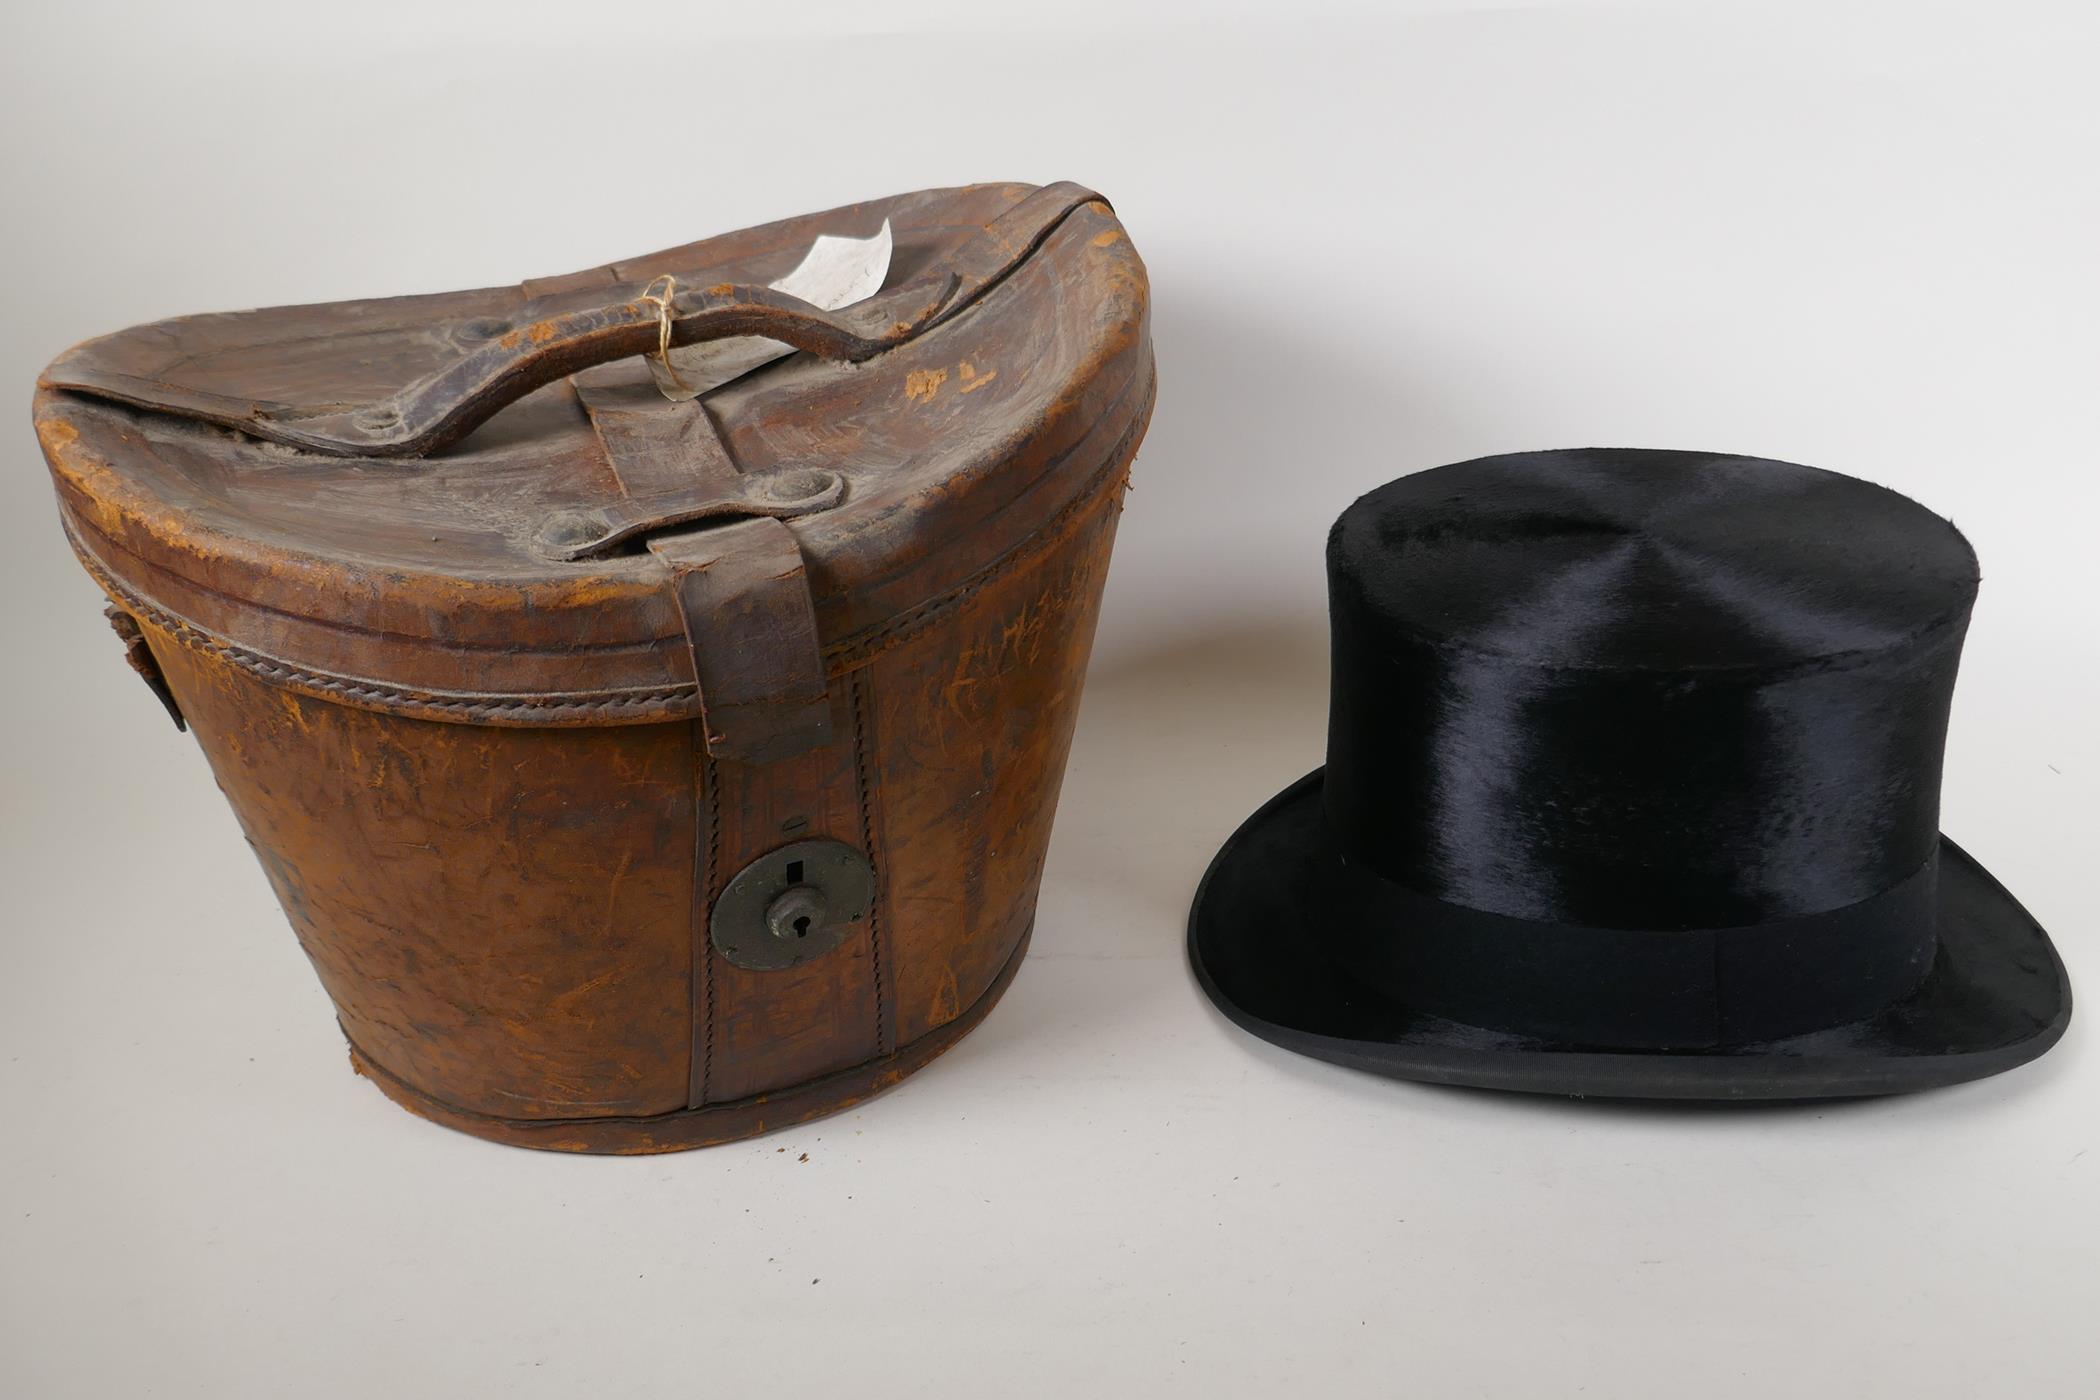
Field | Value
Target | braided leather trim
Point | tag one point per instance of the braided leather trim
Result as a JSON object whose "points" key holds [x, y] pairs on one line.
{"points": [[667, 702]]}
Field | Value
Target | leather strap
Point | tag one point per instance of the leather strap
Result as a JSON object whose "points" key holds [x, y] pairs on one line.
{"points": [[752, 627], [760, 699], [742, 588]]}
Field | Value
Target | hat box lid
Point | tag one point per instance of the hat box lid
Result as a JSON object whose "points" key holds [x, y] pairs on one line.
{"points": [[453, 505]]}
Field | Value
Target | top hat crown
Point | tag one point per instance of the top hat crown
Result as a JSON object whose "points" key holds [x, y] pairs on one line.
{"points": [[1642, 689], [1633, 757]]}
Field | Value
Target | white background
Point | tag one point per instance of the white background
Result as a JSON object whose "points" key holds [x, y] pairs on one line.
{"points": [[1381, 238]]}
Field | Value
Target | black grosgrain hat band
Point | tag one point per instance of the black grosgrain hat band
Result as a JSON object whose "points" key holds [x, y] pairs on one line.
{"points": [[1645, 989]]}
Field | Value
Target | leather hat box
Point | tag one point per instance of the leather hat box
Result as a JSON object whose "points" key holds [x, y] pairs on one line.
{"points": [[639, 770]]}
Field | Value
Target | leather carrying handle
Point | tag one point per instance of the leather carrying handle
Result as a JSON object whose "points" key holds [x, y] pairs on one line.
{"points": [[543, 343], [439, 409]]}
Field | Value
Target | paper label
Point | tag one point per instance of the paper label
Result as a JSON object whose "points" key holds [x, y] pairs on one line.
{"points": [[835, 272]]}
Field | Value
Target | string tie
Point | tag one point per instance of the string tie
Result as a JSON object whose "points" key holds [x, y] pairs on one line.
{"points": [[662, 302]]}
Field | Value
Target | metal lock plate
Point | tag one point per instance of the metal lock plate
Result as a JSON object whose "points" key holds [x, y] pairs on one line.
{"points": [[792, 905]]}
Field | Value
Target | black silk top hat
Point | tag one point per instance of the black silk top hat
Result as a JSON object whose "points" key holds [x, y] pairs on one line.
{"points": [[1633, 789]]}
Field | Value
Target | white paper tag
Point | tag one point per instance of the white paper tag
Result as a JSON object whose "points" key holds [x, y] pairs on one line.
{"points": [[835, 272]]}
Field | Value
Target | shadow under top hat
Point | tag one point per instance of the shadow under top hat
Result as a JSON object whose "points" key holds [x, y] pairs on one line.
{"points": [[1633, 788]]}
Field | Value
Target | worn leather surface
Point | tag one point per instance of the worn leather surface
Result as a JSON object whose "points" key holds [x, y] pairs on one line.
{"points": [[427, 586], [744, 594], [479, 775], [512, 921]]}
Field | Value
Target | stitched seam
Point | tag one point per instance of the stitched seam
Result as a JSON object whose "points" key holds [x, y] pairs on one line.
{"points": [[877, 861], [193, 636], [704, 947]]}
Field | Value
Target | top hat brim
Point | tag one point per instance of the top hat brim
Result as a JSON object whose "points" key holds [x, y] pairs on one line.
{"points": [[1996, 995]]}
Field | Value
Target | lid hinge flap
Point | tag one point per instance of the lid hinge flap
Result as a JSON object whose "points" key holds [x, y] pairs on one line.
{"points": [[142, 660]]}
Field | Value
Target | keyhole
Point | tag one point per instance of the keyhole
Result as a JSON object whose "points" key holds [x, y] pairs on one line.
{"points": [[799, 910]]}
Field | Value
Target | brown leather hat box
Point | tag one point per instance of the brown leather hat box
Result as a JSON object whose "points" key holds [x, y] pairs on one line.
{"points": [[647, 690]]}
